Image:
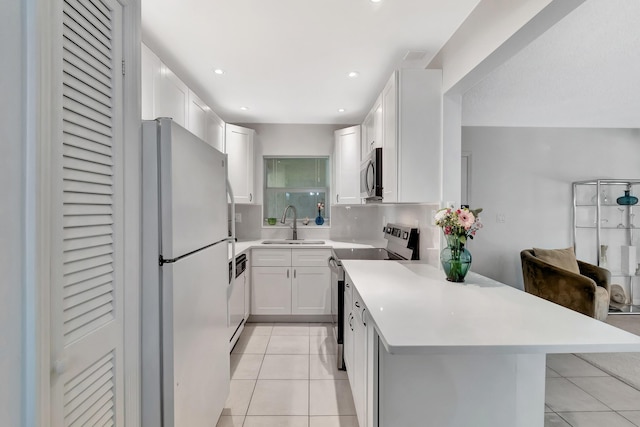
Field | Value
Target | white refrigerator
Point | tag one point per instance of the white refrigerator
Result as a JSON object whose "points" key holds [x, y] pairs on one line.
{"points": [[185, 343]]}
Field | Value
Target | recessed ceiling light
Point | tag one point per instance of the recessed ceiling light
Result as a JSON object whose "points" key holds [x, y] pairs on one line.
{"points": [[341, 110], [218, 71], [375, 1], [244, 108], [353, 74]]}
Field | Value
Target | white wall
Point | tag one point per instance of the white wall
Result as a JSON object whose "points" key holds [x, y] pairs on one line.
{"points": [[526, 174], [11, 212]]}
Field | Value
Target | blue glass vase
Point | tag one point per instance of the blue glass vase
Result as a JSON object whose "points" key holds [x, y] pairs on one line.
{"points": [[627, 199], [319, 219], [455, 259]]}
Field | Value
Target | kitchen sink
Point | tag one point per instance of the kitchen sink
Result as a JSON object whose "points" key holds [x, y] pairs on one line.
{"points": [[293, 242]]}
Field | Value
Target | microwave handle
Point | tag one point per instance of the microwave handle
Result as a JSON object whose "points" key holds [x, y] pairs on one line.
{"points": [[366, 178]]}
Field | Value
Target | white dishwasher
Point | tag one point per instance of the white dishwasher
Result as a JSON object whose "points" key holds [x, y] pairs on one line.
{"points": [[236, 299]]}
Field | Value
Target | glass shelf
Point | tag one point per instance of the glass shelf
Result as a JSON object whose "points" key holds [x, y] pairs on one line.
{"points": [[592, 205], [595, 208], [608, 227], [615, 308], [620, 273]]}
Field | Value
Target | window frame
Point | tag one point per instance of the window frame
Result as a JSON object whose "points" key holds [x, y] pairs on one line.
{"points": [[327, 190]]}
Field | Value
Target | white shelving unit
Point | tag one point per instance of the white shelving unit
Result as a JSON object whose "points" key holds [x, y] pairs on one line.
{"points": [[599, 221]]}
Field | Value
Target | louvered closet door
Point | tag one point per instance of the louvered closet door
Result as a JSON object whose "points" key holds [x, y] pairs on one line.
{"points": [[87, 264]]}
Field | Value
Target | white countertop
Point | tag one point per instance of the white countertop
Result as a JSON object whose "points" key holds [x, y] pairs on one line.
{"points": [[416, 310], [243, 246]]}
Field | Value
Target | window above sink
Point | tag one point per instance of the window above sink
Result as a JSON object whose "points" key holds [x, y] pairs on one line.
{"points": [[303, 182]]}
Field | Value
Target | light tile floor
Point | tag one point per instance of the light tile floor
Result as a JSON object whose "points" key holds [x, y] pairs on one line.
{"points": [[285, 375], [580, 395]]}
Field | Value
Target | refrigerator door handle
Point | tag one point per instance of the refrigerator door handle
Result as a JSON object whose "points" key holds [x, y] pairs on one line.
{"points": [[233, 218], [162, 260]]}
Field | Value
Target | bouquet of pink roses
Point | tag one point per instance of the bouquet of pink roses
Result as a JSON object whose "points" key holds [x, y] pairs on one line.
{"points": [[462, 223]]}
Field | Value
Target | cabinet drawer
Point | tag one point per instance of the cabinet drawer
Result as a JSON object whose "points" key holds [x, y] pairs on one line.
{"points": [[310, 257], [271, 258]]}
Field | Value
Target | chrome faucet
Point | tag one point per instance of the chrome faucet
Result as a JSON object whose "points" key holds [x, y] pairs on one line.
{"points": [[295, 220]]}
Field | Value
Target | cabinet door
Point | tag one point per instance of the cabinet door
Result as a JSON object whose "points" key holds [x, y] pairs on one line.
{"points": [[359, 361], [390, 141], [171, 97], [311, 290], [239, 147], [197, 116], [347, 165], [348, 330], [377, 134], [271, 290], [368, 132], [215, 131], [151, 67]]}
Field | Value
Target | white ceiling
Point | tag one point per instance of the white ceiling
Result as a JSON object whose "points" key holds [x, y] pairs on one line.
{"points": [[583, 72], [287, 60]]}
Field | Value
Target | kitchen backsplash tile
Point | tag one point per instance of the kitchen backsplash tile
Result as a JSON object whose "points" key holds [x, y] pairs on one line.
{"points": [[355, 223]]}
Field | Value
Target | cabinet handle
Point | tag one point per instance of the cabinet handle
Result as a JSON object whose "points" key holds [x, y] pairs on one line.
{"points": [[364, 310], [287, 273], [347, 285], [337, 198], [294, 273], [357, 304], [250, 197], [351, 321], [372, 142]]}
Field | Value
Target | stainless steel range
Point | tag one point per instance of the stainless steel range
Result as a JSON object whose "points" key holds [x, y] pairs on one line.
{"points": [[402, 244]]}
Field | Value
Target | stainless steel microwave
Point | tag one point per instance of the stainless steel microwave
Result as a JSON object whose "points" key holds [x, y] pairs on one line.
{"points": [[371, 176]]}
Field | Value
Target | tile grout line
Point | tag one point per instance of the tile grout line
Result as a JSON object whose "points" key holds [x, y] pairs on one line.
{"points": [[611, 410], [256, 383]]}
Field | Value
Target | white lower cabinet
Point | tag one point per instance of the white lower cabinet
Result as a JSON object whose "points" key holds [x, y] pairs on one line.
{"points": [[290, 281], [309, 291], [271, 290], [360, 356], [348, 329], [359, 368]]}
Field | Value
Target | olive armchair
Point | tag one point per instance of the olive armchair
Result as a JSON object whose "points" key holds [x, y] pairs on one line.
{"points": [[586, 292]]}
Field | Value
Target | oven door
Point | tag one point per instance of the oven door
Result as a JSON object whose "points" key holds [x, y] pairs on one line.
{"points": [[337, 306]]}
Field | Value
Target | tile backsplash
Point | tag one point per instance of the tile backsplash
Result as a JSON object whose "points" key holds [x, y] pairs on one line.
{"points": [[351, 223]]}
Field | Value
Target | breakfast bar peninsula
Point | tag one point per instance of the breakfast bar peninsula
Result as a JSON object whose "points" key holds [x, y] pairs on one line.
{"points": [[425, 352]]}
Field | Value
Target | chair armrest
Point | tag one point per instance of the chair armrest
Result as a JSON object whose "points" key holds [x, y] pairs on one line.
{"points": [[600, 275]]}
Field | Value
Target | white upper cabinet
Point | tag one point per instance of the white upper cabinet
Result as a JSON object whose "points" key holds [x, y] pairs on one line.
{"points": [[197, 119], [239, 148], [346, 157], [151, 67], [372, 129], [411, 136], [171, 97], [165, 95], [215, 131], [390, 141]]}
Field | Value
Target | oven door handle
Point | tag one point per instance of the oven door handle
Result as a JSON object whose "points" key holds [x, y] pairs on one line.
{"points": [[333, 264]]}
